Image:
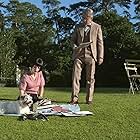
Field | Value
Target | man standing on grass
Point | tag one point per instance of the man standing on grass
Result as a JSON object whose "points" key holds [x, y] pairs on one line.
{"points": [[88, 50]]}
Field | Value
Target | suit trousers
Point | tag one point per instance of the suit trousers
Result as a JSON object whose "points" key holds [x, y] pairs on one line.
{"points": [[89, 64]]}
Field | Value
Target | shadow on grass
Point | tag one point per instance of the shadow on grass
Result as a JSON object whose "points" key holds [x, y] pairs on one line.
{"points": [[65, 102], [5, 99], [104, 90], [112, 90]]}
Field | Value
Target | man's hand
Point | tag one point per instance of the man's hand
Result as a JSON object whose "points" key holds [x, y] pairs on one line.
{"points": [[100, 61], [40, 97], [75, 47]]}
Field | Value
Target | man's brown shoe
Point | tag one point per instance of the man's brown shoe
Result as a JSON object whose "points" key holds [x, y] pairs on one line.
{"points": [[89, 102], [73, 102]]}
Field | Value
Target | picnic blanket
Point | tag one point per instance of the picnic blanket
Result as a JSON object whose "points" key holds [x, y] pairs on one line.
{"points": [[67, 110], [13, 108]]}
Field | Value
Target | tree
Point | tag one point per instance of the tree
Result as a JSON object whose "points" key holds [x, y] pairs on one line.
{"points": [[1, 22], [33, 36], [137, 11], [99, 7], [62, 49], [110, 5], [7, 52], [120, 43], [28, 36]]}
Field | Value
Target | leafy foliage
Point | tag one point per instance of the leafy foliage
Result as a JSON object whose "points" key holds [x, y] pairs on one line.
{"points": [[137, 10], [7, 52], [27, 34], [119, 36]]}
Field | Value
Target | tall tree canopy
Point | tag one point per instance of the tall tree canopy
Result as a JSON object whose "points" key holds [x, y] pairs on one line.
{"points": [[26, 33]]}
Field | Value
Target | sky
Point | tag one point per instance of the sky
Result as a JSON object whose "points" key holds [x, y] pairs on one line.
{"points": [[63, 2], [66, 3], [39, 4]]}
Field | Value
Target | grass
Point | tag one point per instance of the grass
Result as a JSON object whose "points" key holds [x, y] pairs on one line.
{"points": [[116, 117]]}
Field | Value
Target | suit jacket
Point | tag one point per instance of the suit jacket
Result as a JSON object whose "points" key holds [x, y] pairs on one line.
{"points": [[96, 38]]}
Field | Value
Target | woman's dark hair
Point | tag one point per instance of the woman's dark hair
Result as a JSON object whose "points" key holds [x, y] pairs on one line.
{"points": [[39, 62]]}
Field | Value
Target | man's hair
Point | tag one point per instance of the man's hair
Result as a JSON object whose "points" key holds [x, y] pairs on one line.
{"points": [[88, 12]]}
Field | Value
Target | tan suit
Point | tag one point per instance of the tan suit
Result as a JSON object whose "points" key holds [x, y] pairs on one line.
{"points": [[88, 57]]}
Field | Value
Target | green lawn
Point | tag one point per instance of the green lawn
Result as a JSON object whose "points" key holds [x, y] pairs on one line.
{"points": [[116, 117]]}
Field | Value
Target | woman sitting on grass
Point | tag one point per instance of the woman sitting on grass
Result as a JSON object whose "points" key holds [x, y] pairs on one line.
{"points": [[32, 82]]}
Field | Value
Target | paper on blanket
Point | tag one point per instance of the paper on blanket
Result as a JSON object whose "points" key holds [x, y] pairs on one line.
{"points": [[77, 114], [71, 107], [58, 109], [84, 113], [70, 114], [64, 109], [46, 106]]}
